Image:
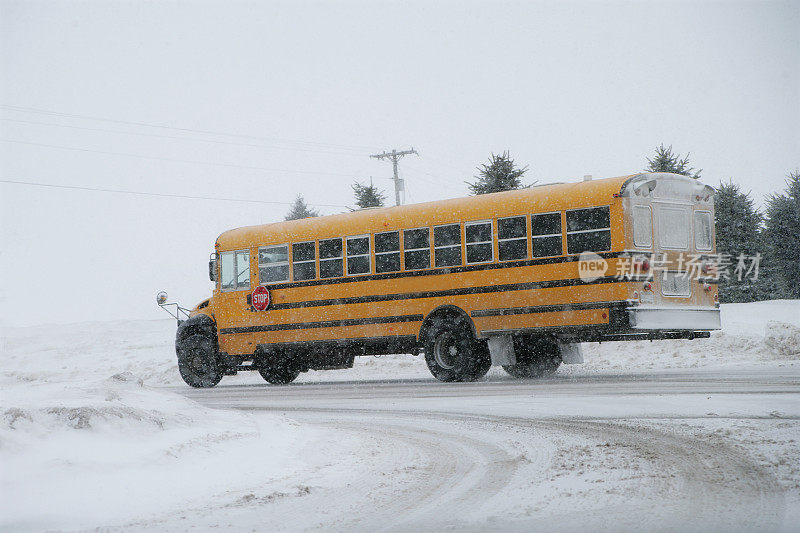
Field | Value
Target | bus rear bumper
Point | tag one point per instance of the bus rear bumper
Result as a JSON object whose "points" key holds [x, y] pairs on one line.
{"points": [[674, 318]]}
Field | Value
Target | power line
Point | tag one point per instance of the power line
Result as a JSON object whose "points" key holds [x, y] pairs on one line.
{"points": [[139, 156], [419, 172], [188, 130], [165, 195], [214, 141]]}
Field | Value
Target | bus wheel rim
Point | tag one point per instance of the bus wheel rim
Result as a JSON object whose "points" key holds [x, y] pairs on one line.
{"points": [[446, 351], [197, 363]]}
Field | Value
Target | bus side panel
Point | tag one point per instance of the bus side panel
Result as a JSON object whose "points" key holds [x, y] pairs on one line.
{"points": [[287, 325], [549, 320]]}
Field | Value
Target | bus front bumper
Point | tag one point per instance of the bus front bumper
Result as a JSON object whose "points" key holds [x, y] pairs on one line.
{"points": [[674, 318]]}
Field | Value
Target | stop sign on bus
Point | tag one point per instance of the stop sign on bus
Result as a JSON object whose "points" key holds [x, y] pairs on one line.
{"points": [[260, 298]]}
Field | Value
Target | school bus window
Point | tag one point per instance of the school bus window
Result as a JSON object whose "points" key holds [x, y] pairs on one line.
{"points": [[303, 261], [387, 251], [358, 255], [702, 230], [447, 245], [235, 270], [642, 226], [228, 271], [273, 264], [588, 230], [416, 245], [478, 236], [330, 258], [673, 227], [546, 234], [243, 270], [512, 238]]}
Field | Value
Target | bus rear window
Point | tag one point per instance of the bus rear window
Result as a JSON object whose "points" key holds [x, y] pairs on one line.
{"points": [[702, 231], [642, 226], [589, 230], [304, 261], [673, 227]]}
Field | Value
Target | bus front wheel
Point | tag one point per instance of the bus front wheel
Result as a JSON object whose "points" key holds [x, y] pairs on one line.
{"points": [[451, 352], [537, 357], [197, 361]]}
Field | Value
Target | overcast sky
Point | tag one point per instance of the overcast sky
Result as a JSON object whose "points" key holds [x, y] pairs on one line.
{"points": [[265, 100]]}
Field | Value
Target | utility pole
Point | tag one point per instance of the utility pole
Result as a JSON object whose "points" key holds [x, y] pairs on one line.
{"points": [[395, 156]]}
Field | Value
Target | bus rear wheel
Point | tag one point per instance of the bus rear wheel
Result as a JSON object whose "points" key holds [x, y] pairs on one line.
{"points": [[277, 370], [537, 357], [197, 361], [452, 353]]}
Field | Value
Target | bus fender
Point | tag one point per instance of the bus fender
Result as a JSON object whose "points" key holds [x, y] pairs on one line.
{"points": [[447, 310], [199, 323], [501, 350], [571, 352]]}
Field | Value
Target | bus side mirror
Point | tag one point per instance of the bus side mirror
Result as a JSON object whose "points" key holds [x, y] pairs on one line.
{"points": [[212, 270], [161, 298]]}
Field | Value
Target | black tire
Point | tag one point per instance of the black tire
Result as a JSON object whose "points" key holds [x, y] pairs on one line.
{"points": [[197, 361], [452, 353], [537, 357], [484, 360], [277, 369]]}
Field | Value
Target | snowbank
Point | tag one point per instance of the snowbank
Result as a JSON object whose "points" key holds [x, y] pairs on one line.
{"points": [[85, 442], [85, 351], [107, 452], [752, 333]]}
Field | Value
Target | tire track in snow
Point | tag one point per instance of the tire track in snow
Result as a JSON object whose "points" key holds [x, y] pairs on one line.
{"points": [[709, 486], [453, 471]]}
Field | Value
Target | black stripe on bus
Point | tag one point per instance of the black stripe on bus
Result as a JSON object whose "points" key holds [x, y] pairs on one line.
{"points": [[325, 324], [439, 271], [339, 343], [448, 292], [545, 308]]}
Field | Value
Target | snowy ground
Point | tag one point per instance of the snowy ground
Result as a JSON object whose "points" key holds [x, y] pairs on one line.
{"points": [[99, 431]]}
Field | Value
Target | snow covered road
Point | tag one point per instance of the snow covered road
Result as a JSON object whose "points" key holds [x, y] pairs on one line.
{"points": [[697, 450]]}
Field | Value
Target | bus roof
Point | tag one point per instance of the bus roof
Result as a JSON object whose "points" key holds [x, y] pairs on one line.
{"points": [[540, 198]]}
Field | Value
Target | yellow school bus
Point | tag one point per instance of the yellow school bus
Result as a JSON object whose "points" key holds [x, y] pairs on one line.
{"points": [[516, 279]]}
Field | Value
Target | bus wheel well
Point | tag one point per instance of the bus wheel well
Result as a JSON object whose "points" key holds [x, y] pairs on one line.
{"points": [[197, 325], [445, 311]]}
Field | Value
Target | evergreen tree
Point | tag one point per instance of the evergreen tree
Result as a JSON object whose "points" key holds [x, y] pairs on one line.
{"points": [[738, 225], [782, 236], [666, 161], [300, 210], [368, 195], [500, 174]]}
